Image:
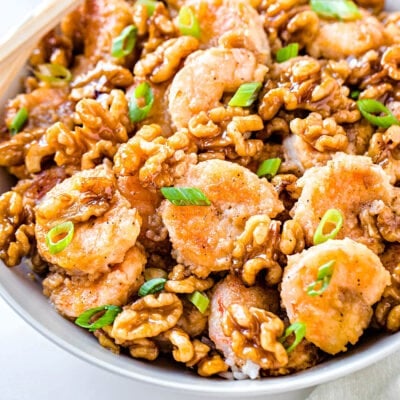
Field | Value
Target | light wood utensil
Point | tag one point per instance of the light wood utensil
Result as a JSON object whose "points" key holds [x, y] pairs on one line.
{"points": [[16, 47]]}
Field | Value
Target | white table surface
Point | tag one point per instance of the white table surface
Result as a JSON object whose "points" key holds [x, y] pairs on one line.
{"points": [[33, 368]]}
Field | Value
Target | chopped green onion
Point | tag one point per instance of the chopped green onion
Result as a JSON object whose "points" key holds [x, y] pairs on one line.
{"points": [[136, 113], [123, 44], [152, 286], [332, 221], [150, 6], [106, 319], [188, 24], [339, 9], [323, 279], [299, 330], [19, 120], [245, 95], [59, 237], [151, 273], [288, 52], [370, 107], [355, 94], [185, 196], [199, 300], [55, 74], [269, 168]]}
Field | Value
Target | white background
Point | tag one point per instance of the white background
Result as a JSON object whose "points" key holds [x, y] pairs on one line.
{"points": [[33, 368]]}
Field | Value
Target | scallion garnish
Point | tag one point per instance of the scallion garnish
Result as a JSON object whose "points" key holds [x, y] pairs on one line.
{"points": [[245, 95], [152, 286], [299, 330], [19, 120], [355, 94], [324, 276], [185, 196], [123, 44], [188, 24], [59, 237], [329, 227], [151, 273], [340, 9], [142, 91], [55, 74], [288, 52], [106, 319], [269, 168], [150, 6], [199, 300], [369, 107]]}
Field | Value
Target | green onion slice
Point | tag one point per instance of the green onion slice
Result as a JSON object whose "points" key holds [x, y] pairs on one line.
{"points": [[152, 286], [269, 168], [106, 319], [299, 330], [324, 276], [188, 24], [124, 43], [355, 94], [151, 273], [59, 237], [329, 227], [185, 196], [288, 52], [339, 9], [19, 120], [370, 107], [136, 113], [150, 6], [55, 74], [199, 300], [245, 95]]}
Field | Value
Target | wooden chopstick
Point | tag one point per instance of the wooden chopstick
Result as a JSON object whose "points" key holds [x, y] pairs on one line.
{"points": [[16, 47]]}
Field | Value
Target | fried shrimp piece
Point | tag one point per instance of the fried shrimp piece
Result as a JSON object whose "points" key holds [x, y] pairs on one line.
{"points": [[101, 217], [338, 315], [203, 236], [351, 184], [232, 23], [338, 39], [72, 295], [206, 75], [232, 291]]}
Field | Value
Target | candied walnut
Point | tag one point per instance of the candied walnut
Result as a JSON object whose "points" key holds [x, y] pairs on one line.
{"points": [[322, 134], [388, 224], [181, 281], [255, 333], [143, 348], [374, 5], [147, 317], [160, 161], [301, 28], [105, 340], [292, 239], [255, 250], [212, 365], [162, 64], [390, 61], [192, 321], [183, 350], [200, 351]]}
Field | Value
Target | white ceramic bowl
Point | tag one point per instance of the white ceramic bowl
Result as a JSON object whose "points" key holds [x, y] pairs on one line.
{"points": [[26, 298]]}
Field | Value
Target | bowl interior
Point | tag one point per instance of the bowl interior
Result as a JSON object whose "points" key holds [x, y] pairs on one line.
{"points": [[24, 294]]}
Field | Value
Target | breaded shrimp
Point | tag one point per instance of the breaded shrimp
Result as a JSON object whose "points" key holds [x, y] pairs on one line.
{"points": [[339, 314], [340, 39], [232, 23], [203, 236], [230, 291], [71, 296], [206, 75], [351, 184], [101, 217]]}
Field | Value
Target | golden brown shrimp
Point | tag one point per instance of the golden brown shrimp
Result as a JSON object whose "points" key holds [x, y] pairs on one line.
{"points": [[206, 75], [232, 23], [351, 184], [71, 296], [101, 216], [203, 236], [338, 39], [339, 314]]}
